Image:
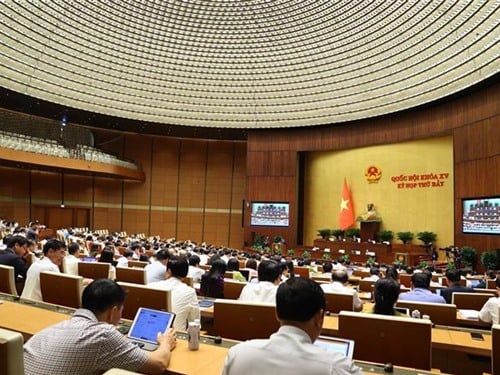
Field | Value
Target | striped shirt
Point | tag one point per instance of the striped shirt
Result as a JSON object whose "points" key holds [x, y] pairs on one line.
{"points": [[81, 345]]}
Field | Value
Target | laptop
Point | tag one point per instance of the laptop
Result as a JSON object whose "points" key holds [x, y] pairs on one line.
{"points": [[146, 325], [335, 344], [402, 310]]}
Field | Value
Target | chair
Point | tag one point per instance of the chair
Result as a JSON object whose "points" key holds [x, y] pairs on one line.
{"points": [[7, 280], [405, 279], [440, 313], [131, 275], [137, 264], [495, 348], [243, 320], [232, 289], [361, 273], [142, 296], [491, 292], [205, 267], [93, 270], [337, 302], [366, 285], [381, 338], [301, 271], [469, 301], [11, 352], [491, 284], [61, 289]]}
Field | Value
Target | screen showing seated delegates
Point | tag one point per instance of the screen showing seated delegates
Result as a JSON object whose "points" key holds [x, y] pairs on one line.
{"points": [[481, 215], [270, 214]]}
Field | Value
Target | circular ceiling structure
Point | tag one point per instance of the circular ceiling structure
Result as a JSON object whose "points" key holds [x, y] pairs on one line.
{"points": [[246, 64]]}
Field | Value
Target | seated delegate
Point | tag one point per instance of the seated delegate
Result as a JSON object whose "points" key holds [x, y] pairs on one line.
{"points": [[89, 343]]}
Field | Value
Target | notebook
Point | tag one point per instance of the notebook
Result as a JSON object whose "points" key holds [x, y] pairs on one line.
{"points": [[334, 344], [146, 325]]}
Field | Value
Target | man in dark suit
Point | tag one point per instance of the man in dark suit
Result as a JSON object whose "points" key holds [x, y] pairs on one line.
{"points": [[15, 255], [453, 279]]}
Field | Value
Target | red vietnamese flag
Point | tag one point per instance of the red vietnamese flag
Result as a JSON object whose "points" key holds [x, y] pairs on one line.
{"points": [[346, 216]]}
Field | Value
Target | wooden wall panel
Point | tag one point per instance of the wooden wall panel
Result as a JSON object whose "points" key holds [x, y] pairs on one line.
{"points": [[165, 171], [77, 191], [136, 220], [474, 117], [139, 148], [163, 224], [107, 218], [192, 174], [190, 225]]}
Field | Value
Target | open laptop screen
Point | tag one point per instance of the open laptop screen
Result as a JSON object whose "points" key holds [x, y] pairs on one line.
{"points": [[148, 322], [334, 344]]}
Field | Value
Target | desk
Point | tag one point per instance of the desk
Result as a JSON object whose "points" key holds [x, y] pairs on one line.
{"points": [[446, 342]]}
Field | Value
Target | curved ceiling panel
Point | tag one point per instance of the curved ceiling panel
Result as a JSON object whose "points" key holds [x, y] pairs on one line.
{"points": [[246, 64]]}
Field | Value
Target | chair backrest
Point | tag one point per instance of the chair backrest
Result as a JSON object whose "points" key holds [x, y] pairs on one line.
{"points": [[239, 320], [491, 284], [366, 285], [491, 292], [131, 275], [93, 270], [495, 348], [7, 280], [61, 289], [405, 279], [361, 273], [205, 267], [11, 352], [337, 302], [301, 271], [381, 338], [232, 289], [142, 296], [469, 301], [137, 264], [440, 313]]}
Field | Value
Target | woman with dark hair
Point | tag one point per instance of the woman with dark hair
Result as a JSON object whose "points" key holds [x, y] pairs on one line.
{"points": [[212, 281], [108, 256], [234, 266], [386, 293], [392, 273]]}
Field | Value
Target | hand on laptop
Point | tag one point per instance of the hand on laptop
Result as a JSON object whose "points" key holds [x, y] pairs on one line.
{"points": [[167, 338]]}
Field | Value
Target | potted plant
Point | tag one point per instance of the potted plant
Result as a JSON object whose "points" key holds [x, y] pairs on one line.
{"points": [[278, 239], [423, 264], [491, 260], [337, 233], [370, 262], [306, 254], [324, 233], [468, 256], [352, 233], [405, 237], [278, 252], [326, 256], [345, 259], [428, 238], [385, 235], [290, 252]]}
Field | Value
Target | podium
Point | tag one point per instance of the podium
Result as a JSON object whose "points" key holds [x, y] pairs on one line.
{"points": [[369, 229]]}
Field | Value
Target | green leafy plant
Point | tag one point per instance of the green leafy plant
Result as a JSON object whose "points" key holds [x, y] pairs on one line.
{"points": [[352, 232], [306, 254], [398, 263], [290, 252], [278, 239], [278, 252], [468, 255], [423, 264], [324, 233], [337, 233], [370, 261], [326, 256], [385, 235], [450, 266], [345, 258], [428, 238], [491, 259], [405, 237]]}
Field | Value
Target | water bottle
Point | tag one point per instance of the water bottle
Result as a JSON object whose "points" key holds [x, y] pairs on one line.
{"points": [[194, 335], [415, 314]]}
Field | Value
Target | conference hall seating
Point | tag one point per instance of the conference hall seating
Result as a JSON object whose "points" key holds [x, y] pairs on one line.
{"points": [[243, 320], [11, 352], [388, 339], [232, 288], [469, 301], [439, 313], [61, 289], [7, 280], [142, 296], [93, 270], [337, 302], [131, 275]]}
